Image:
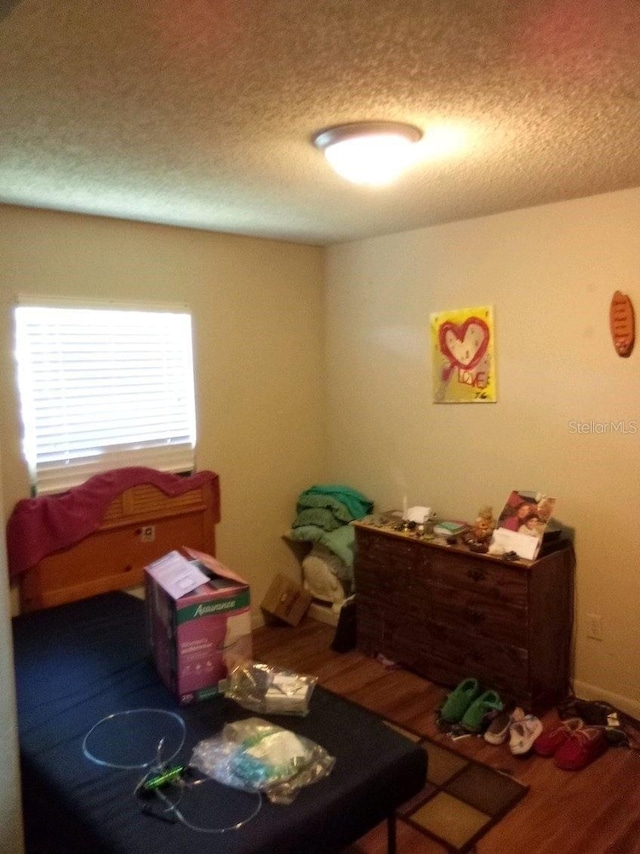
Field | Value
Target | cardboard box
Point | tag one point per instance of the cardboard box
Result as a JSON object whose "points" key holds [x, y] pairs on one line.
{"points": [[286, 600], [198, 623]]}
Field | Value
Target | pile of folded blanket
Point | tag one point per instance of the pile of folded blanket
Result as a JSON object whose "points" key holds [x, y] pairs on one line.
{"points": [[323, 514]]}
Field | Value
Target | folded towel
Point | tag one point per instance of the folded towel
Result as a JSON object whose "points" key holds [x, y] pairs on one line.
{"points": [[341, 541], [311, 501], [319, 516], [355, 502]]}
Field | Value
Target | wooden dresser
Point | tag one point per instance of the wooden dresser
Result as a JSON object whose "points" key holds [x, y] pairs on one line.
{"points": [[449, 613]]}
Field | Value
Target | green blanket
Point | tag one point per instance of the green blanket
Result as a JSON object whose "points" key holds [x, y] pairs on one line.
{"points": [[321, 517], [342, 500], [341, 541]]}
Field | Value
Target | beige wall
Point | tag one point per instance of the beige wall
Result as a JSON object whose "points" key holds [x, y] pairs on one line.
{"points": [[257, 308], [549, 273]]}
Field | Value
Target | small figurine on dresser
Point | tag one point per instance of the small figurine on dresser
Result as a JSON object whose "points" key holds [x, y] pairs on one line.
{"points": [[479, 535], [484, 525]]}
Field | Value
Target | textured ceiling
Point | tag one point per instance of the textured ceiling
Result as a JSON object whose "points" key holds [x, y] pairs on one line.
{"points": [[199, 113]]}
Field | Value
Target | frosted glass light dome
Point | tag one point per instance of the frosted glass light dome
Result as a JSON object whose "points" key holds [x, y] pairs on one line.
{"points": [[374, 153]]}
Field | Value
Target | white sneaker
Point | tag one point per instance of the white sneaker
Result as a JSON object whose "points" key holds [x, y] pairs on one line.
{"points": [[499, 729], [523, 733]]}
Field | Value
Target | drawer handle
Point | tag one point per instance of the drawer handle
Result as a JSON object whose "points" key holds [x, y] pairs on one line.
{"points": [[477, 574]]}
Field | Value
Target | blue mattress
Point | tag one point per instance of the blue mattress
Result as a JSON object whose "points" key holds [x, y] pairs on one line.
{"points": [[78, 663]]}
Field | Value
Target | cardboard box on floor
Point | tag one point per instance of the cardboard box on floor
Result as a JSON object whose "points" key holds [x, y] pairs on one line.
{"points": [[198, 623], [286, 600]]}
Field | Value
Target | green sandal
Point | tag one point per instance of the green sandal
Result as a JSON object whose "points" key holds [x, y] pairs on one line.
{"points": [[473, 718], [459, 700]]}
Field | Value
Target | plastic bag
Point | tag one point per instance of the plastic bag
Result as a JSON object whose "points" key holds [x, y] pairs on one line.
{"points": [[255, 755], [269, 690]]}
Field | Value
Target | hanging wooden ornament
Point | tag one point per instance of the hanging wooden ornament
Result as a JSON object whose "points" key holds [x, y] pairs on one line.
{"points": [[622, 323]]}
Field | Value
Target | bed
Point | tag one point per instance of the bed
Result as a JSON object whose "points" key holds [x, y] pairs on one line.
{"points": [[99, 535], [80, 662]]}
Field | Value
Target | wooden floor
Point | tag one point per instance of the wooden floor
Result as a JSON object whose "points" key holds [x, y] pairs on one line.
{"points": [[592, 811]]}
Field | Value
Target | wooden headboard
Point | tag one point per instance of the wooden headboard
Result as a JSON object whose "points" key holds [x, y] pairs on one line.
{"points": [[139, 526]]}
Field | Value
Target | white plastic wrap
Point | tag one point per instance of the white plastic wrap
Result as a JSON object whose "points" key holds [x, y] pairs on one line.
{"points": [[269, 690], [257, 756]]}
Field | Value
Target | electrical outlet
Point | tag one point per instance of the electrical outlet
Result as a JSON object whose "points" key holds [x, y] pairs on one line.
{"points": [[148, 533], [594, 626]]}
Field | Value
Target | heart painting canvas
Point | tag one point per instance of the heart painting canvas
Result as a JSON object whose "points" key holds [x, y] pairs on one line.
{"points": [[463, 358]]}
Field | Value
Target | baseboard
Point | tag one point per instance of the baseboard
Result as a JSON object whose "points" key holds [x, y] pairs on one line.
{"points": [[591, 692]]}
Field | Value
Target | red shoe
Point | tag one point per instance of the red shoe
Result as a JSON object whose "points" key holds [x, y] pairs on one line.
{"points": [[581, 748], [552, 739]]}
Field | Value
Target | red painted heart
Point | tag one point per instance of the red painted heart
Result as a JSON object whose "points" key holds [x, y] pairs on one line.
{"points": [[464, 344]]}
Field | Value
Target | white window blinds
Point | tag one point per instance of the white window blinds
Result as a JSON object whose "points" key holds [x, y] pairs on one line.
{"points": [[104, 388]]}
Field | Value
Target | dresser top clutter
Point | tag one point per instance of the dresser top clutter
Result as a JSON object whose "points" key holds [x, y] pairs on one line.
{"points": [[448, 612]]}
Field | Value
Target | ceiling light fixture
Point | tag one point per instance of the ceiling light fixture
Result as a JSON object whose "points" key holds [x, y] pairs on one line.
{"points": [[373, 153]]}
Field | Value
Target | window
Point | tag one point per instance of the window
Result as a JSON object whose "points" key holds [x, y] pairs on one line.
{"points": [[103, 388]]}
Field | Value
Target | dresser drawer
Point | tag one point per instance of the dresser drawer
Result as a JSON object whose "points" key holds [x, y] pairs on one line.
{"points": [[400, 593], [391, 574], [401, 639], [389, 552], [455, 655], [492, 580], [476, 613]]}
